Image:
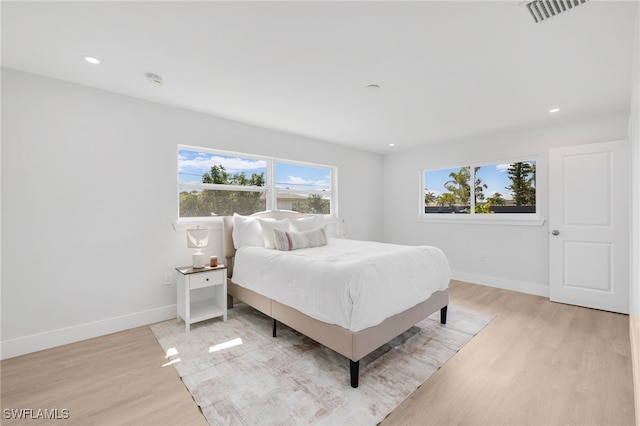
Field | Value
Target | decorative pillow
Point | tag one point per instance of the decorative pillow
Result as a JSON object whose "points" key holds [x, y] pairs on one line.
{"points": [[307, 223], [286, 241], [268, 227], [246, 231], [317, 237]]}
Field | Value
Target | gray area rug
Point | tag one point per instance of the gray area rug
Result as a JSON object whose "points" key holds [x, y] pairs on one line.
{"points": [[238, 374]]}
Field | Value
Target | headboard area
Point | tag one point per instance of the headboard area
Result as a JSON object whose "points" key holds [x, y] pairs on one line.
{"points": [[229, 249]]}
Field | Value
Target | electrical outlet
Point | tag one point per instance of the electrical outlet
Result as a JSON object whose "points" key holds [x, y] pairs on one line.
{"points": [[483, 256], [168, 278]]}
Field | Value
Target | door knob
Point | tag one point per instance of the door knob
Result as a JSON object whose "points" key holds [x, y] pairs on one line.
{"points": [[555, 232]]}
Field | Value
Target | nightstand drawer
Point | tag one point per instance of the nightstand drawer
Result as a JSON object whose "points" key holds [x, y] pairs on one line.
{"points": [[206, 279]]}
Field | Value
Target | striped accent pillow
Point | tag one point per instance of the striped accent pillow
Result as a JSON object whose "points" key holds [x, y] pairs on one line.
{"points": [[289, 240]]}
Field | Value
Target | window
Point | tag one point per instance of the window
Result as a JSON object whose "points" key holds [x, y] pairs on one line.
{"points": [[217, 183], [303, 188], [496, 189], [212, 184]]}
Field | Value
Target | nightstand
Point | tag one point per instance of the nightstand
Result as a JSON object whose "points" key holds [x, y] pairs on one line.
{"points": [[211, 286]]}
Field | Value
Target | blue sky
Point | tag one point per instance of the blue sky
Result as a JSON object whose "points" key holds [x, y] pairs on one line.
{"points": [[494, 176], [192, 165]]}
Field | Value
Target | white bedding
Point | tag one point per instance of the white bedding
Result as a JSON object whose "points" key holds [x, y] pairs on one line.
{"points": [[354, 284]]}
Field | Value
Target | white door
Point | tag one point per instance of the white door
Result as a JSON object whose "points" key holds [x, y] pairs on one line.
{"points": [[589, 194]]}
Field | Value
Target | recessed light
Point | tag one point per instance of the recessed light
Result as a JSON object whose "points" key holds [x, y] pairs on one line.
{"points": [[91, 59], [392, 144], [372, 87], [552, 110]]}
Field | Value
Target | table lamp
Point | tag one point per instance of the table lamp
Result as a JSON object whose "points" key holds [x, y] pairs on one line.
{"points": [[343, 228], [198, 238]]}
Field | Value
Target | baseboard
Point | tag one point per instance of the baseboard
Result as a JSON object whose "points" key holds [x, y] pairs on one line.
{"points": [[62, 336], [520, 286], [634, 335]]}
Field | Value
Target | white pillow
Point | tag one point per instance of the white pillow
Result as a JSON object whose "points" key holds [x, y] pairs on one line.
{"points": [[268, 226], [307, 223], [317, 237], [246, 231]]}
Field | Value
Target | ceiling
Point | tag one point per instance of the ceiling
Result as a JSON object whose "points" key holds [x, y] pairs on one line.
{"points": [[446, 69]]}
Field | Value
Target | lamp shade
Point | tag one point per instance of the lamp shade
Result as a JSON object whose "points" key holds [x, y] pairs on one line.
{"points": [[198, 237]]}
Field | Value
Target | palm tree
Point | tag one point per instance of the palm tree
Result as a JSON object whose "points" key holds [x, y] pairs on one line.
{"points": [[446, 199], [429, 197], [479, 186], [459, 185]]}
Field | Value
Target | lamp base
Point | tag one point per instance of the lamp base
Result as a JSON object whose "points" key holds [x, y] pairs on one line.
{"points": [[199, 260]]}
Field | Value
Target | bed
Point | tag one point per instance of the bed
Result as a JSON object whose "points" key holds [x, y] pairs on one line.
{"points": [[366, 298]]}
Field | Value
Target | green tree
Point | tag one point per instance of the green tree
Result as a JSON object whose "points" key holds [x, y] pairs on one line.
{"points": [[246, 202], [314, 203], [218, 174], [523, 179], [531, 186], [483, 208], [497, 199], [459, 187], [189, 204], [429, 197], [222, 202], [478, 194], [447, 199]]}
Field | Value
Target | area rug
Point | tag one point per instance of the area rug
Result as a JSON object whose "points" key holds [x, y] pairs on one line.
{"points": [[239, 375]]}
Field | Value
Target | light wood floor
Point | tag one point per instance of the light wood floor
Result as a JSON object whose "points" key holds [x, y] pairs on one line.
{"points": [[537, 363]]}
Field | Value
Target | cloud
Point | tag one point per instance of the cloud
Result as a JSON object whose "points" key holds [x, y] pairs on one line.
{"points": [[502, 168], [295, 180], [302, 183], [203, 163]]}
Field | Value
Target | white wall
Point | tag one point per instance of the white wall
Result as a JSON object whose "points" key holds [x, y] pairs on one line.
{"points": [[634, 298], [525, 269], [89, 196], [634, 138]]}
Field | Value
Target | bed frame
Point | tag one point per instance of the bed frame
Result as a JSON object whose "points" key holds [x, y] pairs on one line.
{"points": [[353, 345]]}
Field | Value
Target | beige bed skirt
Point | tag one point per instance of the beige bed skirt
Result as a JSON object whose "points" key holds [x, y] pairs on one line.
{"points": [[353, 345]]}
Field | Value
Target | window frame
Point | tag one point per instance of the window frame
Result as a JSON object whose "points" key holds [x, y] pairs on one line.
{"points": [[270, 189], [332, 192], [521, 219]]}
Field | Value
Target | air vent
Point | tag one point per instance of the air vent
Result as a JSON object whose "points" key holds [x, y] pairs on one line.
{"points": [[541, 10]]}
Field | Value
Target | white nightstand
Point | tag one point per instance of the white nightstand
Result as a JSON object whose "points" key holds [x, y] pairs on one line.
{"points": [[214, 304]]}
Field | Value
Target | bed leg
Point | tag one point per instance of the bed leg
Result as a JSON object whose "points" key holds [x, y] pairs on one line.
{"points": [[443, 315], [229, 301], [274, 327], [355, 370]]}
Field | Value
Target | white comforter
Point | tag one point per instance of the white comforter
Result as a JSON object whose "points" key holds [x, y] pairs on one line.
{"points": [[354, 284]]}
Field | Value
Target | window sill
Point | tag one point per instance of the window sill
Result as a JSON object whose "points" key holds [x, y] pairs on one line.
{"points": [[479, 219], [215, 222]]}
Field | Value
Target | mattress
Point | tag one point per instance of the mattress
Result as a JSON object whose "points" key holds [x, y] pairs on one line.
{"points": [[353, 284]]}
